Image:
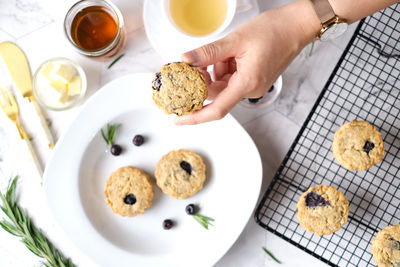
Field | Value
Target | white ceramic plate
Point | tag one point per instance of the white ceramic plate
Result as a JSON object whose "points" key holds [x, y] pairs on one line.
{"points": [[76, 175], [170, 43]]}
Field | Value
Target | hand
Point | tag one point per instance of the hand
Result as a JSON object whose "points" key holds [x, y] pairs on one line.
{"points": [[247, 61]]}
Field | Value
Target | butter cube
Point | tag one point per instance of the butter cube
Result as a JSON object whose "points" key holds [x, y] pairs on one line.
{"points": [[46, 70], [75, 86], [63, 72], [58, 85], [64, 97]]}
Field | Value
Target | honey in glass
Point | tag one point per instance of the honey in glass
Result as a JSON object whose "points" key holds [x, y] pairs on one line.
{"points": [[93, 28]]}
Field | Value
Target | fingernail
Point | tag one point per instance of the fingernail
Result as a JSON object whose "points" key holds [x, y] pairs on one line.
{"points": [[190, 58]]}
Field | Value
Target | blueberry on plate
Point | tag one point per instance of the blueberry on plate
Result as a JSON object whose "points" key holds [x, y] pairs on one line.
{"points": [[191, 209], [167, 224], [255, 100], [116, 149], [271, 89], [138, 140]]}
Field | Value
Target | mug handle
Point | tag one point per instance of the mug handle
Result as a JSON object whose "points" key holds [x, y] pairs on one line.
{"points": [[244, 5]]}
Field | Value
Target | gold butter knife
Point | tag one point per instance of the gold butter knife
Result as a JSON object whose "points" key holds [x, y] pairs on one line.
{"points": [[18, 67]]}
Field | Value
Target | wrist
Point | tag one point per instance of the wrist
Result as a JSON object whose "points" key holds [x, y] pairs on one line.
{"points": [[306, 22], [342, 9], [354, 10]]}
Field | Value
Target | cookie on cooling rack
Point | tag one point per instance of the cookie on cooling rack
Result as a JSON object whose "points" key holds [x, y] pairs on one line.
{"points": [[129, 191], [180, 173], [322, 210], [357, 145], [386, 247], [179, 88]]}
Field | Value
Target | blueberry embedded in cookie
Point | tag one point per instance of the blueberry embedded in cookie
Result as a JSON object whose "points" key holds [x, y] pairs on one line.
{"points": [[358, 145], [186, 166], [179, 88], [129, 191], [180, 173], [314, 200], [156, 83], [368, 147], [395, 243], [130, 199], [386, 247], [322, 210]]}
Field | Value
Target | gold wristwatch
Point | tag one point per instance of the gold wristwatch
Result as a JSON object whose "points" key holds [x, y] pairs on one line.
{"points": [[331, 25]]}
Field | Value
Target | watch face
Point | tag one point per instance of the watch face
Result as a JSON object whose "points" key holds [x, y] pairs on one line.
{"points": [[334, 31]]}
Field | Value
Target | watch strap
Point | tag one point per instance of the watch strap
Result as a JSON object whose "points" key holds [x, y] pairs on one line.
{"points": [[324, 10]]}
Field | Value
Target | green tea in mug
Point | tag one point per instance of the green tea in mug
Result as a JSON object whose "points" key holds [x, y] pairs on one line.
{"points": [[198, 17]]}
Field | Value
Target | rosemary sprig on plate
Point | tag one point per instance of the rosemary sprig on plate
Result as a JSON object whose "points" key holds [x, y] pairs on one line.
{"points": [[270, 254], [20, 224], [203, 220], [111, 132], [115, 60]]}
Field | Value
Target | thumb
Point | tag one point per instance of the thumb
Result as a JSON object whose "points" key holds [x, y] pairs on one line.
{"points": [[210, 53]]}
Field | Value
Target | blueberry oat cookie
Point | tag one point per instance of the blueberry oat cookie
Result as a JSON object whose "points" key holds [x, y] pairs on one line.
{"points": [[179, 88], [129, 191], [386, 247], [180, 173], [357, 145], [322, 210]]}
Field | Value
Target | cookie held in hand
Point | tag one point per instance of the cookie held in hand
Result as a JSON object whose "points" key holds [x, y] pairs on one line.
{"points": [[179, 88]]}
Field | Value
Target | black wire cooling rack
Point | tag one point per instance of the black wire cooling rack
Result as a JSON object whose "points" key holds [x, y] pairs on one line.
{"points": [[364, 85]]}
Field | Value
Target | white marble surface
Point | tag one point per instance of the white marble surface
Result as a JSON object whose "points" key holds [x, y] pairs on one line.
{"points": [[36, 26]]}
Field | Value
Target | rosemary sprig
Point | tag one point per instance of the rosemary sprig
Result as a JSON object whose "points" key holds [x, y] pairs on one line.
{"points": [[20, 224], [111, 132], [270, 254], [203, 220], [115, 61]]}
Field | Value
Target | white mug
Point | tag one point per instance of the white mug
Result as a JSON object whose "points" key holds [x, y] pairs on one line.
{"points": [[233, 7]]}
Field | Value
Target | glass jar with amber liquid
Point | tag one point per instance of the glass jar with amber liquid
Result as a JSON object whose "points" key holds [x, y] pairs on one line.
{"points": [[95, 28]]}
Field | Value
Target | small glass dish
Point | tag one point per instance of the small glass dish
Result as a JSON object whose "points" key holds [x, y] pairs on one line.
{"points": [[267, 99], [95, 28], [47, 96]]}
